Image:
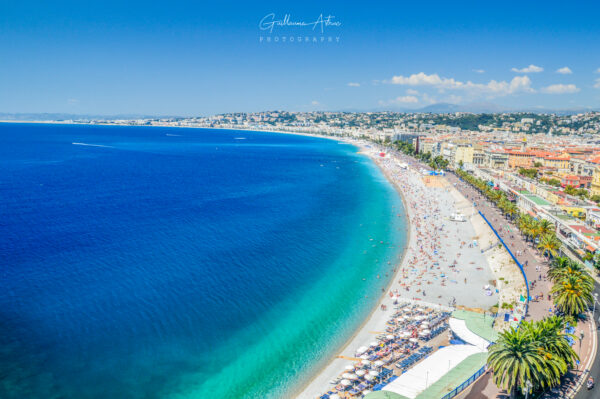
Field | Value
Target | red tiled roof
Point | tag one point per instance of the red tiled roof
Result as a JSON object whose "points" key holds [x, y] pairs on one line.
{"points": [[581, 229]]}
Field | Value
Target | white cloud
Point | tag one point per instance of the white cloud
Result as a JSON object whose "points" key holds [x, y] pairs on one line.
{"points": [[406, 100], [354, 84], [560, 89], [564, 70], [530, 69], [597, 70], [493, 88], [402, 100], [412, 92], [597, 83], [314, 102], [478, 71], [73, 101]]}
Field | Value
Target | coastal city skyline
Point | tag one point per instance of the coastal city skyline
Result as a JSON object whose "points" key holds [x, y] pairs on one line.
{"points": [[190, 59], [387, 200]]}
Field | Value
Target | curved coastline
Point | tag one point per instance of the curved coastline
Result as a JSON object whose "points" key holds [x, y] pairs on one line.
{"points": [[352, 327], [362, 328], [317, 380], [447, 199]]}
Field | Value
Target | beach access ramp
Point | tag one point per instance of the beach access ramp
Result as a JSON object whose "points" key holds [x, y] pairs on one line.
{"points": [[460, 329]]}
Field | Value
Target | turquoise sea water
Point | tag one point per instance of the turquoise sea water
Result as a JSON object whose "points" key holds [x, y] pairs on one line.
{"points": [[183, 263]]}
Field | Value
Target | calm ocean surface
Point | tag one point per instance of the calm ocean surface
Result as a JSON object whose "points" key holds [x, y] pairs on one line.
{"points": [[183, 263]]}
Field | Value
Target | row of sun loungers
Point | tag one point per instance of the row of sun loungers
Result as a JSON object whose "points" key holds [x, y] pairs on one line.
{"points": [[399, 346]]}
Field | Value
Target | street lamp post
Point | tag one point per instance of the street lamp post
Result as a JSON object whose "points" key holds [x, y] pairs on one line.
{"points": [[581, 335], [595, 299], [528, 386]]}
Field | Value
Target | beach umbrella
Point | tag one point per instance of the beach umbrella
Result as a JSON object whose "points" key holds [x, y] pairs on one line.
{"points": [[346, 383], [406, 334], [334, 396], [349, 367], [360, 373], [369, 377], [389, 336], [426, 332], [413, 340], [366, 391], [378, 363], [364, 358], [373, 344], [373, 373], [365, 362], [353, 376], [362, 350], [347, 376]]}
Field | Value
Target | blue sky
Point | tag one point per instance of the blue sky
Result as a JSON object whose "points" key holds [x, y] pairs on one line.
{"points": [[196, 58]]}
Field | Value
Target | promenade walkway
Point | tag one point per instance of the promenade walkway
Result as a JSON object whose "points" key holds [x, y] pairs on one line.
{"points": [[535, 267]]}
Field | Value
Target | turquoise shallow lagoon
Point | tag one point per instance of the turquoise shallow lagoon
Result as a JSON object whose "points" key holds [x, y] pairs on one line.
{"points": [[145, 262]]}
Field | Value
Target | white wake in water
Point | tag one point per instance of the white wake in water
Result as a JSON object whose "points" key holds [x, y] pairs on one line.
{"points": [[94, 145]]}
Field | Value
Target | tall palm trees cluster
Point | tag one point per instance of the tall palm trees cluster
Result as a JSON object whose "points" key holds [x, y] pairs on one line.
{"points": [[437, 162], [572, 286], [532, 357]]}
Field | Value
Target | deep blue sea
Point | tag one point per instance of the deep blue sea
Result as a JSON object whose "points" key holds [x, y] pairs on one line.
{"points": [[147, 262]]}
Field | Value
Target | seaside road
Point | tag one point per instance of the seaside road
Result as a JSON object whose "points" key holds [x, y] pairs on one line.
{"points": [[594, 370]]}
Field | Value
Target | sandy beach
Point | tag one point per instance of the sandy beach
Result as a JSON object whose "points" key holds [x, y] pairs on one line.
{"points": [[443, 263]]}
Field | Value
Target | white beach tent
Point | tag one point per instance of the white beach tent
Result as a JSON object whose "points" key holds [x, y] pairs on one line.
{"points": [[361, 350], [430, 370]]}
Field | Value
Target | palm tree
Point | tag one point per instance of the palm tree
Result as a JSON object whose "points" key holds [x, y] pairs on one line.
{"points": [[511, 210], [538, 352], [535, 229], [554, 346], [495, 196], [526, 224], [516, 359], [573, 293], [561, 266], [553, 338], [546, 227], [504, 204], [549, 244]]}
